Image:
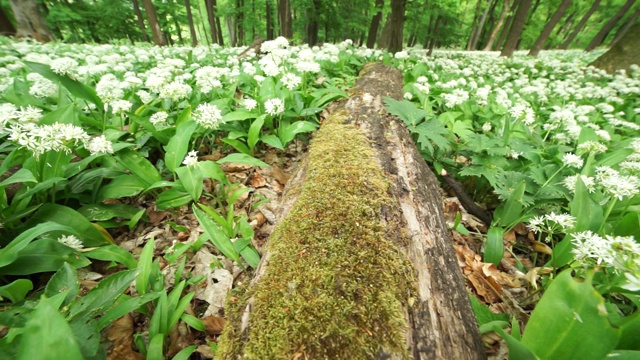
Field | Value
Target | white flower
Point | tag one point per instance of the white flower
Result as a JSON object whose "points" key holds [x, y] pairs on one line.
{"points": [[407, 96], [29, 114], [71, 241], [570, 182], [191, 158], [572, 160], [618, 186], [8, 112], [456, 98], [308, 66], [207, 115], [486, 127], [109, 89], [591, 147], [159, 118], [401, 55], [120, 106], [249, 104], [144, 96], [291, 81], [175, 91], [64, 66], [274, 107], [99, 145]]}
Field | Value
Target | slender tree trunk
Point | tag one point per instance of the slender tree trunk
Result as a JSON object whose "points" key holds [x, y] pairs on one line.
{"points": [[176, 23], [494, 32], [375, 24], [548, 28], [434, 36], [483, 18], [240, 22], [488, 25], [158, 37], [581, 24], [29, 21], [231, 27], [284, 17], [212, 21], [606, 28], [6, 27], [474, 24], [623, 54], [143, 28], [519, 20], [507, 25], [269, 15], [218, 24], [192, 28], [391, 38], [625, 28], [314, 25]]}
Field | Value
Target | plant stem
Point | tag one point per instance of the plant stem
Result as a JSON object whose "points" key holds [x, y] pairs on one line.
{"points": [[607, 212]]}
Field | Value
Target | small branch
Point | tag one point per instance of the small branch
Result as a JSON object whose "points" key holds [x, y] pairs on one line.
{"points": [[466, 200]]}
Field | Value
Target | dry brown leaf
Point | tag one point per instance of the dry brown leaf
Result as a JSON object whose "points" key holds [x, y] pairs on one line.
{"points": [[214, 325], [542, 248], [257, 180], [155, 217], [205, 351], [521, 229], [233, 167], [120, 333], [280, 175], [483, 288]]}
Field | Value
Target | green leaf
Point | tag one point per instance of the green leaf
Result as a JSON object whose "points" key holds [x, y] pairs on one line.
{"points": [[216, 235], [272, 140], [185, 353], [290, 132], [104, 212], [76, 88], [42, 256], [517, 349], [484, 315], [589, 215], [570, 322], [509, 212], [122, 186], [238, 145], [155, 350], [139, 166], [103, 295], [124, 308], [254, 131], [65, 280], [193, 321], [238, 115], [87, 232], [9, 253], [494, 247], [630, 333], [47, 335], [191, 178], [172, 198], [407, 111], [113, 253], [177, 148], [145, 267], [242, 159], [213, 171], [21, 176], [17, 290]]}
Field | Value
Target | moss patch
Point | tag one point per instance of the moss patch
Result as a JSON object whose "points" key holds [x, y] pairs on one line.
{"points": [[335, 287]]}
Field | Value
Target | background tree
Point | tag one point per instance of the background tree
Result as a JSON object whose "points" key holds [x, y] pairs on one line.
{"points": [[475, 32], [391, 38], [623, 54], [284, 18], [498, 26], [609, 25], [6, 26], [581, 24], [143, 28], [624, 29], [372, 36], [517, 27], [192, 28], [158, 36], [29, 21], [548, 28]]}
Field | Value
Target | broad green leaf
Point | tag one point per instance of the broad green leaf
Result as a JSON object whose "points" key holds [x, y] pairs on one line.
{"points": [[113, 253], [272, 140], [155, 350], [290, 132], [124, 308], [47, 335], [178, 310], [21, 176], [250, 255], [216, 235], [570, 322], [484, 315], [136, 218], [237, 115], [630, 333], [103, 295], [191, 178], [87, 334], [75, 87], [194, 322], [43, 256], [242, 159], [185, 353], [17, 290], [254, 131], [139, 166], [213, 171], [103, 212], [624, 355], [508, 213], [494, 247], [41, 187], [172, 198], [67, 114], [122, 186], [9, 253], [65, 280], [145, 268], [178, 146], [517, 350], [589, 215], [238, 145], [89, 234], [407, 111]]}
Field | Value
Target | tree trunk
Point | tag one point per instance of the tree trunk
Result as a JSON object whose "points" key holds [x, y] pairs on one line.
{"points": [[314, 25], [218, 24], [140, 18], [625, 28], [6, 27], [360, 264], [474, 24], [231, 26], [284, 17], [623, 54], [606, 28], [29, 21], [517, 27], [240, 22], [192, 28], [269, 15], [212, 21], [158, 37], [507, 25], [548, 28], [483, 18], [391, 38], [176, 23], [494, 32], [375, 24], [581, 24]]}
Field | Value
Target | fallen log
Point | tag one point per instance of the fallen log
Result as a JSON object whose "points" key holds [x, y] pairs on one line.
{"points": [[360, 265]]}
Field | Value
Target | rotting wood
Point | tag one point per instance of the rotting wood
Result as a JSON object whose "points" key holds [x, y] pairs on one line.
{"points": [[436, 319]]}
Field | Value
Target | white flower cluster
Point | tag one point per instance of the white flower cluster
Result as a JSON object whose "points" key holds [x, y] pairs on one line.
{"points": [[458, 97], [71, 241], [616, 184], [99, 145], [207, 115], [551, 223], [40, 139], [191, 159], [274, 107], [159, 118], [41, 87], [64, 66]]}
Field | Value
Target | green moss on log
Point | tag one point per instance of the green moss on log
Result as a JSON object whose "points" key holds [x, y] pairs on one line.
{"points": [[334, 287]]}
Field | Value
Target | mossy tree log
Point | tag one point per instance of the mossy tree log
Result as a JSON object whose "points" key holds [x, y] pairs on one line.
{"points": [[360, 265]]}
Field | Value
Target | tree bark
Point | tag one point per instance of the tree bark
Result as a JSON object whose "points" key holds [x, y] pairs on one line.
{"points": [[231, 26], [158, 37], [581, 24], [372, 36], [435, 323], [314, 25], [192, 28], [240, 22], [474, 23], [140, 18], [517, 27], [483, 18], [494, 32], [507, 25], [623, 54], [625, 28], [548, 28], [269, 15], [212, 21], [391, 38], [606, 28], [216, 19], [6, 27], [29, 21], [284, 17]]}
